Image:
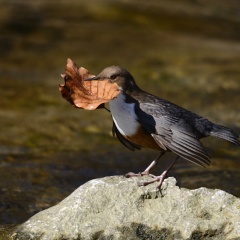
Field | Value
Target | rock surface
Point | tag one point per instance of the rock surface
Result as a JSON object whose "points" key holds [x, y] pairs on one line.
{"points": [[117, 208]]}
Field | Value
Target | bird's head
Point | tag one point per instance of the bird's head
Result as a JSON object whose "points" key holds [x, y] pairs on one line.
{"points": [[118, 75]]}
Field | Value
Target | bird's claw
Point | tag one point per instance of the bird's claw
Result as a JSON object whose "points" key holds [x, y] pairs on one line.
{"points": [[131, 174], [140, 174], [158, 179]]}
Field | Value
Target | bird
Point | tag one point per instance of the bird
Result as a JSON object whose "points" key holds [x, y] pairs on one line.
{"points": [[141, 119]]}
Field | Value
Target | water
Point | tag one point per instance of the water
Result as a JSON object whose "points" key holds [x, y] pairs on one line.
{"points": [[177, 51]]}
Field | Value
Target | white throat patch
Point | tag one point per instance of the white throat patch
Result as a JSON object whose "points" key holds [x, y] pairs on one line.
{"points": [[124, 116]]}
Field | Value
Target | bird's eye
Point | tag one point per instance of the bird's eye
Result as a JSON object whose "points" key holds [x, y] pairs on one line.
{"points": [[113, 77]]}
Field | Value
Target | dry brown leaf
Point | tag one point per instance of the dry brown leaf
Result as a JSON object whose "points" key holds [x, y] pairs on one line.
{"points": [[88, 95]]}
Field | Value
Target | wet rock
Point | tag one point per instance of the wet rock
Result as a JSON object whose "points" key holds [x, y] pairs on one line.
{"points": [[117, 208]]}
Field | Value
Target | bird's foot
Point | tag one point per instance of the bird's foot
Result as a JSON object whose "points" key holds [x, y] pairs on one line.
{"points": [[158, 179], [131, 174], [147, 170]]}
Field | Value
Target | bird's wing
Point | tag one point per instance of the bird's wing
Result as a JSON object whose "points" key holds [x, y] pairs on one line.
{"points": [[123, 140], [172, 132]]}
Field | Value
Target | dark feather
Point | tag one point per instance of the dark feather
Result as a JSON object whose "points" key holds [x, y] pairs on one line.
{"points": [[183, 145], [225, 133], [175, 132]]}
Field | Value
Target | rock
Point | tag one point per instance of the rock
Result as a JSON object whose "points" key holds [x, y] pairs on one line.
{"points": [[117, 208]]}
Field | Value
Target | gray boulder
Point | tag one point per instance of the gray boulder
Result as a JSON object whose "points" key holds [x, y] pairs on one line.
{"points": [[117, 208]]}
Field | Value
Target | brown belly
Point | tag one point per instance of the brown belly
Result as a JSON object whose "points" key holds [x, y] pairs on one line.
{"points": [[144, 139]]}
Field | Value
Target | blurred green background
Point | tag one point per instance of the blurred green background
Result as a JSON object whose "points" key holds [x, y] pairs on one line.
{"points": [[186, 51]]}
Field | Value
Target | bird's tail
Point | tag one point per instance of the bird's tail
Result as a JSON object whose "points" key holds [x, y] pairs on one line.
{"points": [[225, 133]]}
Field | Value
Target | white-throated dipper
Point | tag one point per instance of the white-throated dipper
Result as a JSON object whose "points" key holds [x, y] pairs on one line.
{"points": [[141, 119]]}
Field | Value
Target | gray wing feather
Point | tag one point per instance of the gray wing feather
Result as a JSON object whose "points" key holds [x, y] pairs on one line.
{"points": [[184, 145], [173, 133]]}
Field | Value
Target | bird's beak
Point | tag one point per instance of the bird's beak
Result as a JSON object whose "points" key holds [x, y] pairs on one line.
{"points": [[92, 78]]}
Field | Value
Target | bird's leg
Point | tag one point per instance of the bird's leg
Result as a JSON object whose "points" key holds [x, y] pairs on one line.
{"points": [[147, 170], [160, 178], [153, 163]]}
